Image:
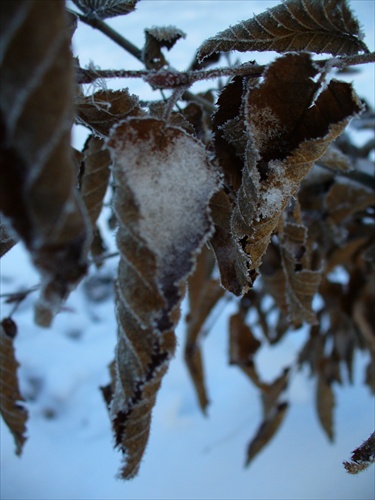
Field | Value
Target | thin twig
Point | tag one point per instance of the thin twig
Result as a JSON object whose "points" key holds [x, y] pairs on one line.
{"points": [[100, 25]]}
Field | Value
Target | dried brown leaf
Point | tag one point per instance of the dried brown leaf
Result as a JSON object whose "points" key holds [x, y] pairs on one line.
{"points": [[104, 109], [38, 193], [266, 431], [288, 132], [345, 199], [106, 8], [321, 26], [242, 342], [229, 112], [94, 176], [301, 284], [163, 186], [335, 159], [204, 294], [13, 412], [325, 401], [156, 39], [271, 392], [362, 457], [234, 274]]}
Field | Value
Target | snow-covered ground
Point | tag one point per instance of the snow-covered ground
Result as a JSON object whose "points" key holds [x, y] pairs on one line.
{"points": [[69, 453]]}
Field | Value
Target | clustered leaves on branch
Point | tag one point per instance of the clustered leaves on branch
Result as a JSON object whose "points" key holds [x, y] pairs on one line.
{"points": [[255, 182]]}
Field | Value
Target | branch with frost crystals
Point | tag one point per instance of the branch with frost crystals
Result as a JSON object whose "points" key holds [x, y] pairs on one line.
{"points": [[171, 79]]}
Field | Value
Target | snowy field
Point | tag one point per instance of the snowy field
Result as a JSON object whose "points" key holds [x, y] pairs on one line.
{"points": [[69, 453]]}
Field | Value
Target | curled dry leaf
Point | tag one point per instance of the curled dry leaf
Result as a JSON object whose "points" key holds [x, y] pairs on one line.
{"points": [[13, 412], [230, 156], [288, 133], [231, 260], [106, 8], [204, 294], [163, 187], [156, 39], [321, 26], [102, 110], [38, 194]]}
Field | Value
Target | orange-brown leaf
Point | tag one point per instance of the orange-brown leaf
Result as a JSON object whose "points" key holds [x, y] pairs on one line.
{"points": [[288, 132], [13, 412], [164, 183], [104, 109], [321, 26], [94, 176], [325, 403]]}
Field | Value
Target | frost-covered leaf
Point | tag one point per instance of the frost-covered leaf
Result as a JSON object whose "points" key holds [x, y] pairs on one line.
{"points": [[336, 160], [229, 114], [164, 183], [266, 431], [288, 132], [7, 241], [156, 39], [204, 294], [13, 412], [321, 26], [106, 8], [104, 109], [362, 457], [38, 184]]}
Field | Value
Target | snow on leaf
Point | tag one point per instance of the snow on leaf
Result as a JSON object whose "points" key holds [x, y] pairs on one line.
{"points": [[106, 8], [288, 132], [39, 196], [164, 183], [104, 109], [13, 412], [320, 26]]}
